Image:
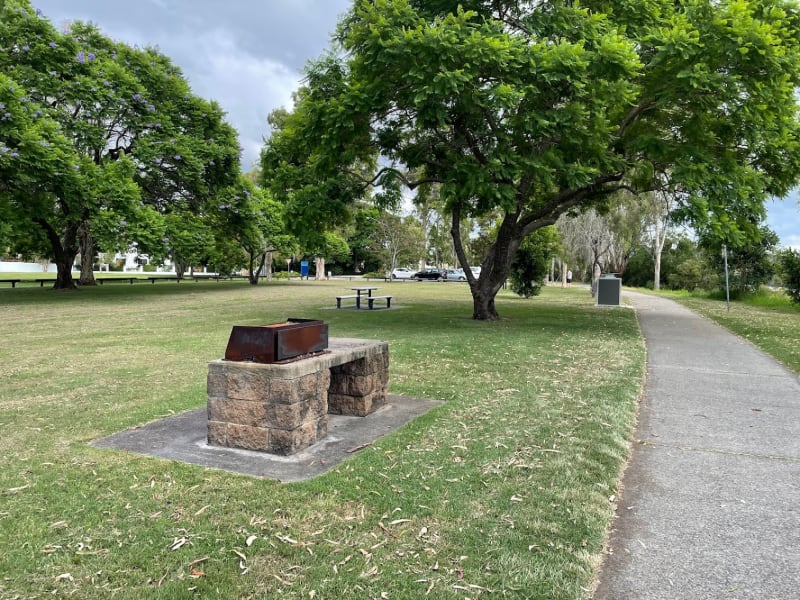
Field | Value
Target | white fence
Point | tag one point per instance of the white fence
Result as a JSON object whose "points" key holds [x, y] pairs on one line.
{"points": [[26, 267]]}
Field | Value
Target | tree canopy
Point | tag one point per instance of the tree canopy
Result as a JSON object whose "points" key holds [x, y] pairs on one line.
{"points": [[142, 146], [526, 111]]}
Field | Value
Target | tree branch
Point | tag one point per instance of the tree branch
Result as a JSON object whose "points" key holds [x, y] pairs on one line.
{"points": [[633, 116], [562, 202], [410, 184]]}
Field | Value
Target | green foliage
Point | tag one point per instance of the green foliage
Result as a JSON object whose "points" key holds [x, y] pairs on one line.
{"points": [[532, 262], [749, 266], [690, 274], [141, 144], [677, 251], [526, 111], [789, 265]]}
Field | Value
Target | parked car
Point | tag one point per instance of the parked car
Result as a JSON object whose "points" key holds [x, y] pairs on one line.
{"points": [[402, 273], [430, 273], [455, 275]]}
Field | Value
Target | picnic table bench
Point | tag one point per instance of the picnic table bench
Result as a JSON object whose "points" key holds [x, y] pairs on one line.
{"points": [[348, 297], [364, 292], [13, 282], [371, 300]]}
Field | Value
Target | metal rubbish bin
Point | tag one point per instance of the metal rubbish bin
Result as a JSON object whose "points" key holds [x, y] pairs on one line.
{"points": [[609, 290]]}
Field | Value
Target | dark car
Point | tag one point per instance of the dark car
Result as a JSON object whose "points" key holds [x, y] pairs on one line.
{"points": [[430, 273]]}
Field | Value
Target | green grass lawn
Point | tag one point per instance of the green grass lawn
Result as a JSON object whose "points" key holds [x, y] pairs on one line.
{"points": [[503, 492]]}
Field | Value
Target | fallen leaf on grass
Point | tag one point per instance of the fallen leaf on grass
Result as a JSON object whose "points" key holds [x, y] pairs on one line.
{"points": [[65, 577], [250, 540], [177, 543], [197, 561], [196, 573], [239, 554], [370, 573], [286, 539]]}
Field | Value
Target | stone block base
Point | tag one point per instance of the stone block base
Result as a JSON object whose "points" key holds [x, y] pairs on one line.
{"points": [[283, 408]]}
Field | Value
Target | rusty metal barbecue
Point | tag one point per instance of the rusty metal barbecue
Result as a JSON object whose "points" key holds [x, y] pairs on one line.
{"points": [[278, 341]]}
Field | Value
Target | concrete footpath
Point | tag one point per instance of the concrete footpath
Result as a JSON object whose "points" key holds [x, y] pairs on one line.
{"points": [[710, 507]]}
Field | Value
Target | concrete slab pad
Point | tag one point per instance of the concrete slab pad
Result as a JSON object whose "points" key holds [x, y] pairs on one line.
{"points": [[183, 438]]}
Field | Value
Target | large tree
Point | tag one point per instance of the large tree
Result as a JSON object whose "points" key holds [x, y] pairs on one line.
{"points": [[136, 128], [538, 108]]}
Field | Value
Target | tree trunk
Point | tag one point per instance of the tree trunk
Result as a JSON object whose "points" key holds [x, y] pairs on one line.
{"points": [[495, 267], [64, 248], [319, 268], [596, 272], [255, 272], [483, 308], [657, 271], [180, 267], [267, 269], [87, 253]]}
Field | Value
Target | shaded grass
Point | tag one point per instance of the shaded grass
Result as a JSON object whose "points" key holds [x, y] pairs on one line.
{"points": [[503, 491]]}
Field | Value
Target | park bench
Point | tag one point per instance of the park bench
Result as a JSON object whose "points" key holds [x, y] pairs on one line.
{"points": [[161, 278], [356, 297], [13, 282], [203, 276], [102, 280], [371, 300]]}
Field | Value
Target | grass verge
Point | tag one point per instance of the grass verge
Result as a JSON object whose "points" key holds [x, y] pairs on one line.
{"points": [[502, 492], [770, 321]]}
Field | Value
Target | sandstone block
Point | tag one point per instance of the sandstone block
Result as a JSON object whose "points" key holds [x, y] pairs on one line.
{"points": [[217, 383], [289, 391], [248, 384], [292, 416], [289, 442], [241, 412], [217, 433], [248, 438]]}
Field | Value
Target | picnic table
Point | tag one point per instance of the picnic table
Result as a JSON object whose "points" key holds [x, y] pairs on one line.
{"points": [[360, 292]]}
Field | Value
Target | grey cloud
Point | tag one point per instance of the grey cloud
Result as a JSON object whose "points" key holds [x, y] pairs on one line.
{"points": [[246, 55]]}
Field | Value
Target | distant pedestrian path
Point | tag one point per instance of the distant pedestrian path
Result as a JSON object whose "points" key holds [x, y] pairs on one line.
{"points": [[711, 502]]}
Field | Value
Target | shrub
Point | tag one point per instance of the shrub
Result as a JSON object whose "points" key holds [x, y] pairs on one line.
{"points": [[531, 263], [689, 275], [789, 265]]}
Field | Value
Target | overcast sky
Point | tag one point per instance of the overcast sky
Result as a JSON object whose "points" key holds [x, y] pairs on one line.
{"points": [[248, 56]]}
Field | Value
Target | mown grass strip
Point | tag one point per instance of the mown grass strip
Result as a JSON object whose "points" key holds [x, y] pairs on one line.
{"points": [[770, 322], [501, 492]]}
